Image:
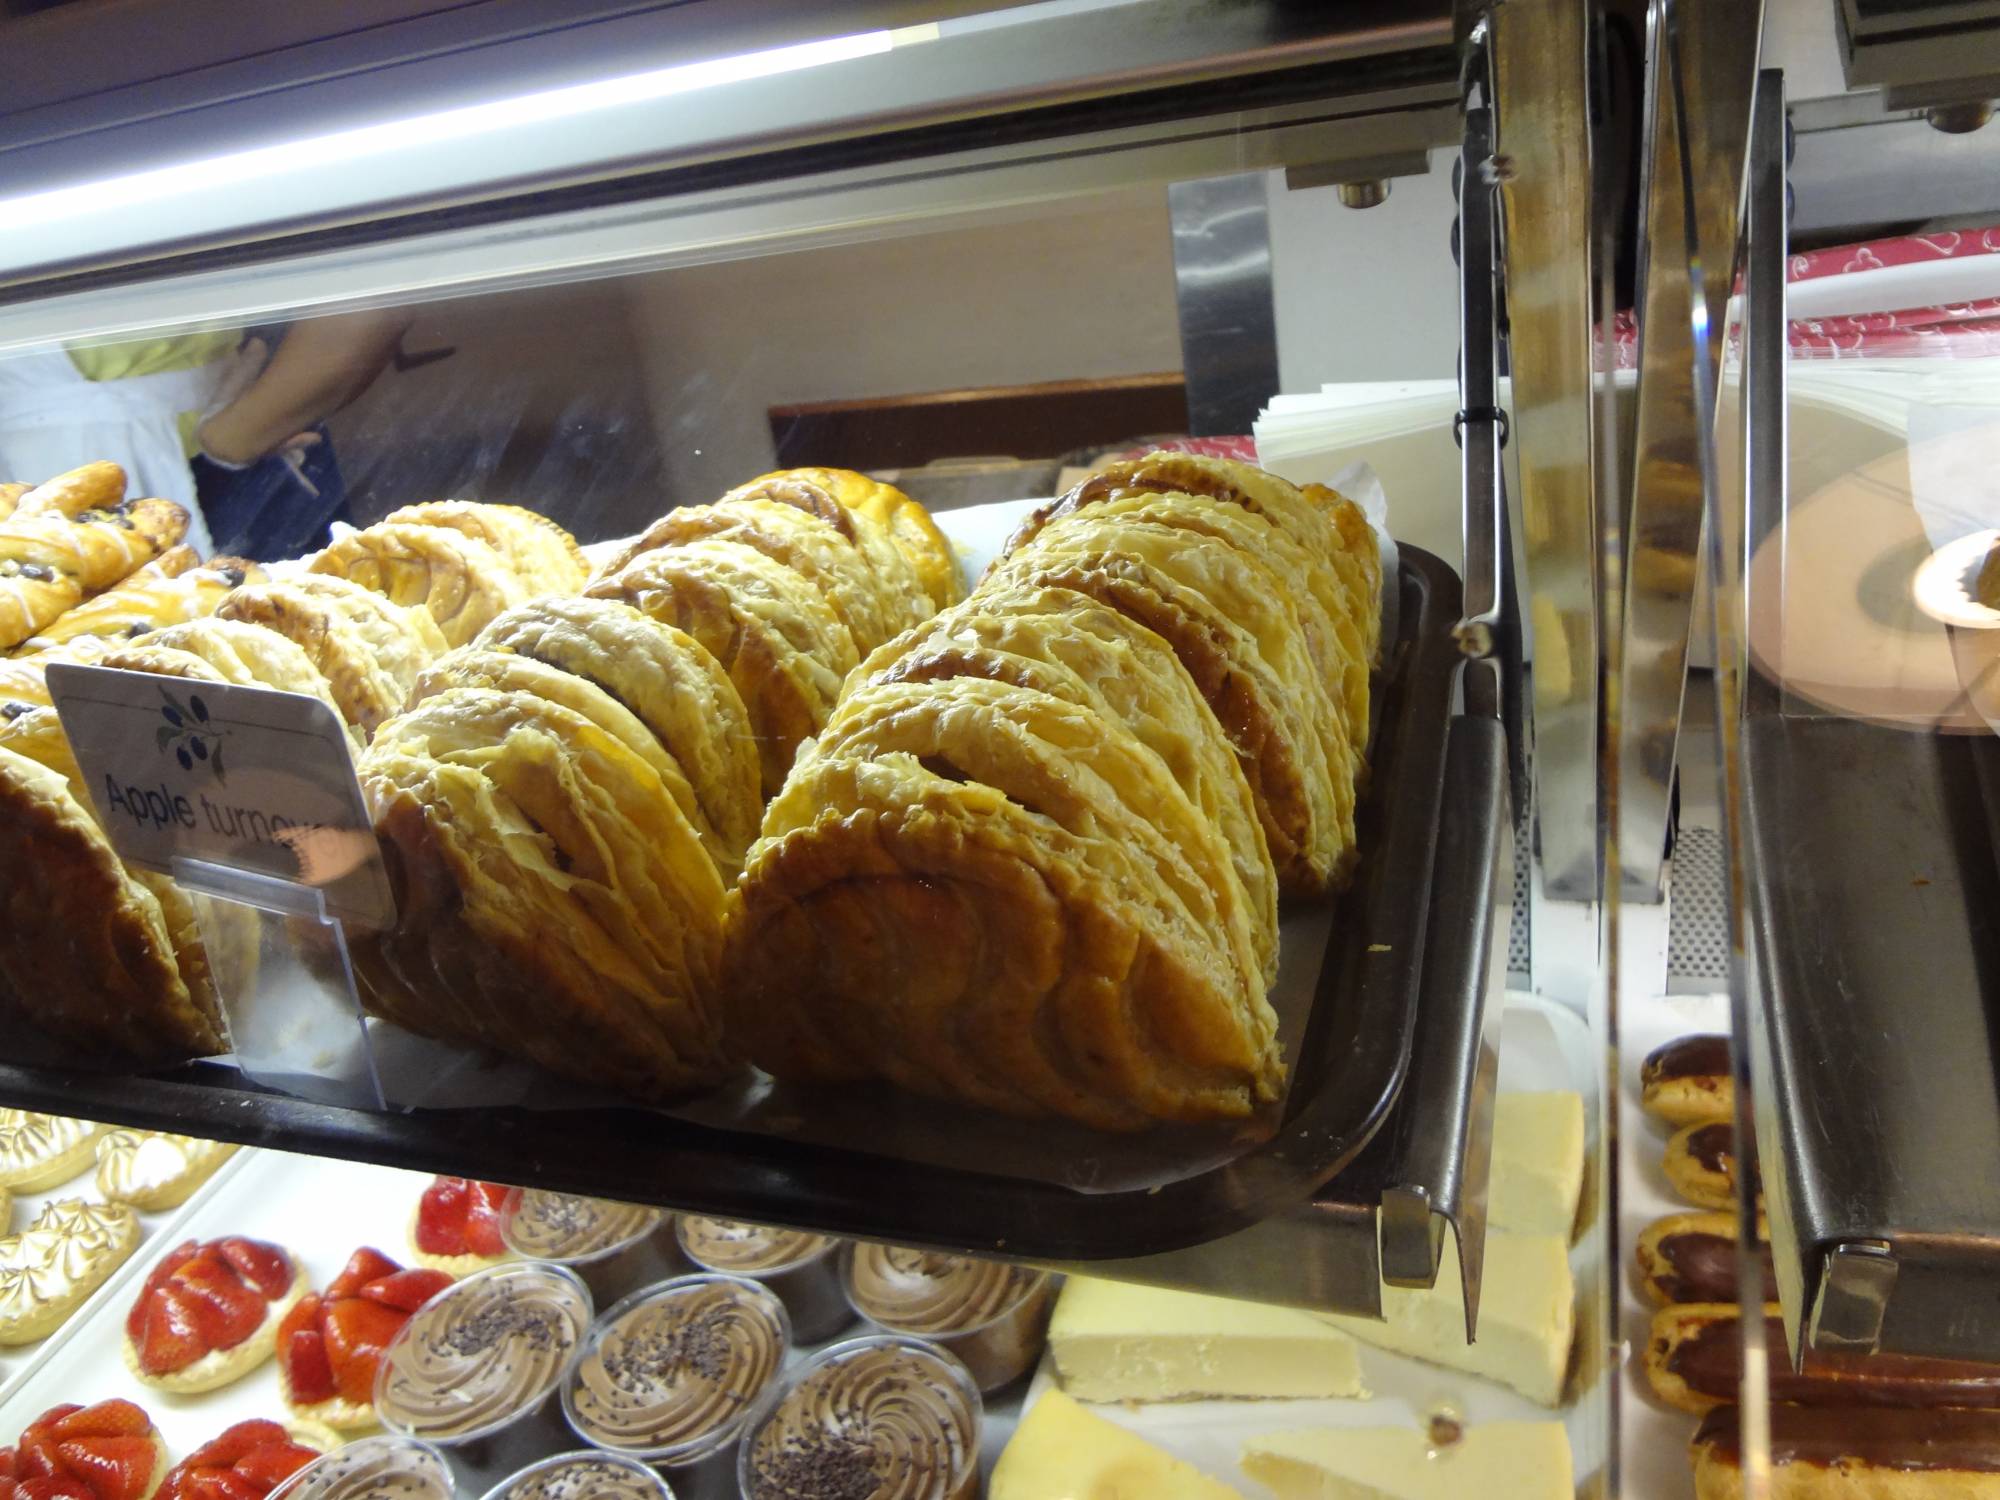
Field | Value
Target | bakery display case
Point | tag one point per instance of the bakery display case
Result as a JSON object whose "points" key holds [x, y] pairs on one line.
{"points": [[747, 964]]}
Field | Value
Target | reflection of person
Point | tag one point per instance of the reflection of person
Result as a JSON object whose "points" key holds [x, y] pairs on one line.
{"points": [[205, 419]]}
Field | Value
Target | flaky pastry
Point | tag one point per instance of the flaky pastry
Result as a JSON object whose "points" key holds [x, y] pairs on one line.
{"points": [[459, 579], [672, 683], [880, 510], [150, 599], [554, 902], [983, 892], [545, 556], [778, 639], [368, 649]]}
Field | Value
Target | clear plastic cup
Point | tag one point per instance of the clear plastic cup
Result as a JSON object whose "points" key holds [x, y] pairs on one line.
{"points": [[864, 1409], [613, 1246], [993, 1316], [670, 1375], [473, 1369], [385, 1467], [583, 1475], [803, 1269]]}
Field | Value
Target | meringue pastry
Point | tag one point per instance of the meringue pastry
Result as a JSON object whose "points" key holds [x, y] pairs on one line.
{"points": [[151, 1170], [52, 1266]]}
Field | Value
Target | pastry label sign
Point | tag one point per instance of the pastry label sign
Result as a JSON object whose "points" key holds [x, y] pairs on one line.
{"points": [[244, 777]]}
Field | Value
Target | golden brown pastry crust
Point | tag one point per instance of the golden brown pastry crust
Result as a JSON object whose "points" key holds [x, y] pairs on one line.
{"points": [[544, 556], [807, 543], [983, 892], [32, 597], [236, 651], [1241, 643], [10, 497], [877, 509], [779, 641], [459, 579], [149, 600], [95, 486], [95, 547], [672, 683], [1065, 643], [553, 901], [369, 650], [84, 945]]}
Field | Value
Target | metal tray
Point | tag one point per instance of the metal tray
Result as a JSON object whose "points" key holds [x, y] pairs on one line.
{"points": [[1347, 1074]]}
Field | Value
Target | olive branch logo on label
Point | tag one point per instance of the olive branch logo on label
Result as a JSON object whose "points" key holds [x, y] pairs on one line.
{"points": [[190, 736]]}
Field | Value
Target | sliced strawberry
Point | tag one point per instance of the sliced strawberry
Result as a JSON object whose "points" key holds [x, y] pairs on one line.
{"points": [[441, 1217], [115, 1468], [172, 1336], [363, 1266], [482, 1220], [38, 1458], [105, 1419], [407, 1290], [356, 1331], [233, 1443], [308, 1371], [230, 1313], [270, 1464], [219, 1484], [266, 1267], [53, 1489]]}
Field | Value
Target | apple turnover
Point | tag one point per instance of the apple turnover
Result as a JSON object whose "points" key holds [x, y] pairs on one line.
{"points": [[369, 649], [1064, 643], [462, 581], [983, 892], [554, 902], [878, 510], [676, 688], [1240, 638], [544, 556], [235, 651], [780, 642]]}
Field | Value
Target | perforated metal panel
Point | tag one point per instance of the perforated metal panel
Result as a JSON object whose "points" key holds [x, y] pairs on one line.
{"points": [[1698, 917], [1518, 968]]}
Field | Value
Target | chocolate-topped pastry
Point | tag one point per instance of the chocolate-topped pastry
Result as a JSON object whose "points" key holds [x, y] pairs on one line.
{"points": [[993, 1316], [386, 1467], [800, 1267], [1701, 1164], [482, 1353], [1694, 1362], [1843, 1453], [602, 1240], [1692, 1258], [584, 1475], [1688, 1080], [877, 1418], [670, 1374]]}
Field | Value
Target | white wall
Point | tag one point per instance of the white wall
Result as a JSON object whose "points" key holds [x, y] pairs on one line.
{"points": [[1365, 294], [1084, 291]]}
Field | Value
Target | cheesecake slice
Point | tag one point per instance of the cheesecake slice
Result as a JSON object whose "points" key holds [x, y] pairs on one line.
{"points": [[1062, 1452], [1114, 1341], [1527, 1315], [1537, 1162], [1493, 1461]]}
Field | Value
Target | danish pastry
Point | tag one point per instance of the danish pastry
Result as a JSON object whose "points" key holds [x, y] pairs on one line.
{"points": [[41, 1151], [369, 650], [151, 1170], [10, 497], [777, 638], [87, 946], [95, 547], [150, 599], [546, 557], [555, 904], [460, 580], [33, 596], [1064, 643], [875, 514], [1239, 639], [983, 892], [672, 683], [95, 486]]}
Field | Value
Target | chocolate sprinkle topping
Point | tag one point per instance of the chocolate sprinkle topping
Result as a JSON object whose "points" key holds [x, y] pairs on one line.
{"points": [[502, 1319], [699, 1344], [818, 1466]]}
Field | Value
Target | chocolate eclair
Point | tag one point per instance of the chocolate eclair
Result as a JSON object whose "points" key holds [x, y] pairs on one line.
{"points": [[1694, 1362], [1688, 1081], [1840, 1453], [1691, 1257], [1701, 1163]]}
